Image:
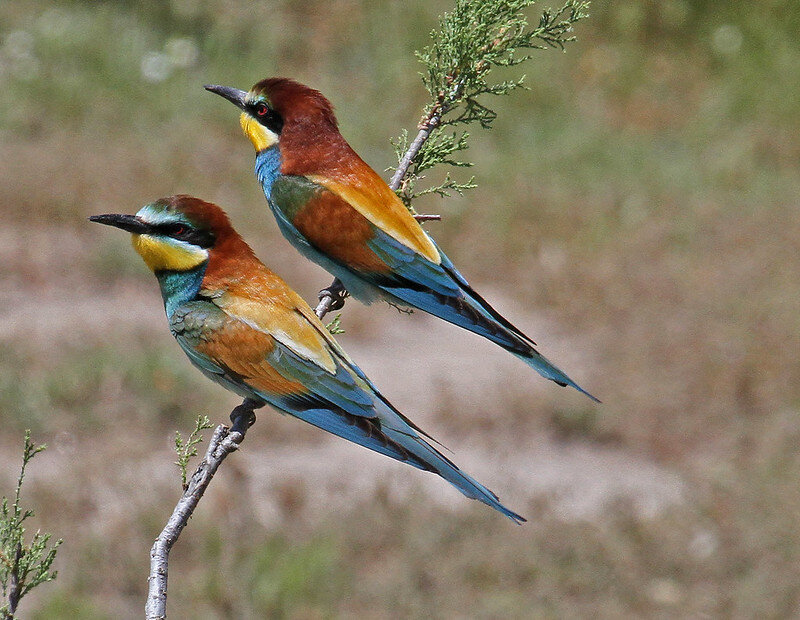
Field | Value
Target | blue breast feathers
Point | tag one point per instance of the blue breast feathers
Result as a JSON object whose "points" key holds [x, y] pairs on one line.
{"points": [[178, 287], [268, 168]]}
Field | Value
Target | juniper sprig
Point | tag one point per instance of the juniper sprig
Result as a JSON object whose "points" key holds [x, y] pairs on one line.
{"points": [[186, 449], [23, 566], [472, 39]]}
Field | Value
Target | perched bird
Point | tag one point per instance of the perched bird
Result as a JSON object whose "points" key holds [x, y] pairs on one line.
{"points": [[244, 328], [338, 212]]}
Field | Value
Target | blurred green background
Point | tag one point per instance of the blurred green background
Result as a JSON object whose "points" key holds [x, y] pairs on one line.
{"points": [[637, 215]]}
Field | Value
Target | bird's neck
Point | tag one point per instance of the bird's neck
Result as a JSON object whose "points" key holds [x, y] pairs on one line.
{"points": [[268, 168], [178, 287]]}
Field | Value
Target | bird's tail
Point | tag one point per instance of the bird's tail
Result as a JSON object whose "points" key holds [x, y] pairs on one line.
{"points": [[392, 434], [547, 369], [435, 461], [500, 330], [469, 310]]}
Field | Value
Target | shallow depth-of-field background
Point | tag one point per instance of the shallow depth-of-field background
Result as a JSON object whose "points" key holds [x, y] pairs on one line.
{"points": [[637, 215]]}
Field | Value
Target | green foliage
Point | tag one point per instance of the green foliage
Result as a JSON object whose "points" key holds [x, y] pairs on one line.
{"points": [[476, 37], [22, 566], [438, 149], [186, 449], [473, 39], [335, 326]]}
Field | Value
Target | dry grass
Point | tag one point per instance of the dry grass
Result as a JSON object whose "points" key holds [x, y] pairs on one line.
{"points": [[636, 215]]}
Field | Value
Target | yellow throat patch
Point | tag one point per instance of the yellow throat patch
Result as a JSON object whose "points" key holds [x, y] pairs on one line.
{"points": [[261, 137], [163, 255]]}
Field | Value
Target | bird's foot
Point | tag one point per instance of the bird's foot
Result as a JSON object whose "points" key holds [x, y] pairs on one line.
{"points": [[337, 294], [243, 416], [401, 309]]}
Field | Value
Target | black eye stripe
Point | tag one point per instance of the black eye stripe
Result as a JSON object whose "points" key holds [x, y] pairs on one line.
{"points": [[266, 116], [184, 232], [172, 229]]}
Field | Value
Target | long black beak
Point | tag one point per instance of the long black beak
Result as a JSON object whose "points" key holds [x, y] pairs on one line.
{"points": [[131, 223], [234, 95]]}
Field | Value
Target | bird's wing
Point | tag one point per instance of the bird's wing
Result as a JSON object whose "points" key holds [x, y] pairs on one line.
{"points": [[272, 347], [244, 355], [252, 363], [329, 218], [337, 229], [229, 350], [365, 191]]}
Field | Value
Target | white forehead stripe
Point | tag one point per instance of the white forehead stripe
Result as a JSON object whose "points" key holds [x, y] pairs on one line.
{"points": [[153, 215]]}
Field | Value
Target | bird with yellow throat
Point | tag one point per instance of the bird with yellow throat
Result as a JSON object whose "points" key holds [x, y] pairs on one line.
{"points": [[338, 212], [244, 328]]}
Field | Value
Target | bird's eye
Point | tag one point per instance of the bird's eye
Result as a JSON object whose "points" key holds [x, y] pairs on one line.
{"points": [[174, 230], [261, 109]]}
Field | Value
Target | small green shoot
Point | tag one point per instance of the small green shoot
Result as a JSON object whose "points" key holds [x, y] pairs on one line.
{"points": [[335, 326], [22, 566], [186, 449]]}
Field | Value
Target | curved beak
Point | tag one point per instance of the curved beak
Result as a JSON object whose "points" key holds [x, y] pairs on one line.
{"points": [[234, 95], [131, 223]]}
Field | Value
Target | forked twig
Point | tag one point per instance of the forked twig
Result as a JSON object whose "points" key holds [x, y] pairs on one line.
{"points": [[224, 441]]}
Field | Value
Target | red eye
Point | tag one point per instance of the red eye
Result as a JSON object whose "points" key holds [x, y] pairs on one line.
{"points": [[178, 230], [262, 109]]}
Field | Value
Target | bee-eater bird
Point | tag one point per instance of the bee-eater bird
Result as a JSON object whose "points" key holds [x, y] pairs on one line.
{"points": [[244, 328], [338, 212]]}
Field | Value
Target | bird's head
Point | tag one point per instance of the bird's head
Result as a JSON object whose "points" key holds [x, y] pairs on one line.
{"points": [[174, 234], [274, 105]]}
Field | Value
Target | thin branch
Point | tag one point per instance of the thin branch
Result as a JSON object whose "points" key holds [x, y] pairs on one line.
{"points": [[15, 589], [427, 217], [428, 124], [224, 441]]}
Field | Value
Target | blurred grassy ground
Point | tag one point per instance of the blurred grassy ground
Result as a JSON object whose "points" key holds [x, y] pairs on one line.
{"points": [[641, 197]]}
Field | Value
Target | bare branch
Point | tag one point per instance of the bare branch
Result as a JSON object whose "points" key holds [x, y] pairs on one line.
{"points": [[428, 217], [428, 124], [224, 441]]}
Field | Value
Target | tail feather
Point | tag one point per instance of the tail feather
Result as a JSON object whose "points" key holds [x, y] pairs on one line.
{"points": [[392, 434], [471, 311], [529, 354], [547, 369], [449, 471]]}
